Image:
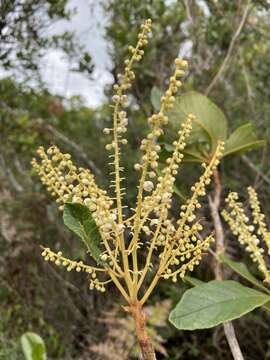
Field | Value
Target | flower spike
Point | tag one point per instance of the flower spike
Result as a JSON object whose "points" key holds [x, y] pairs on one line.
{"points": [[167, 248], [245, 231]]}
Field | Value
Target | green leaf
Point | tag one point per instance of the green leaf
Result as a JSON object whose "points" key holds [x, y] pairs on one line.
{"points": [[242, 139], [193, 281], [191, 154], [33, 346], [242, 270], [78, 219], [213, 303], [211, 124], [179, 193], [156, 94]]}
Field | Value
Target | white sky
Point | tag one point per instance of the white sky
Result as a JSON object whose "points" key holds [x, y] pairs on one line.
{"points": [[87, 24], [56, 69]]}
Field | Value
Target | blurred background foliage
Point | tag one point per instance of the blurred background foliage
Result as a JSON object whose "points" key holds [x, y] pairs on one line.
{"points": [[74, 322]]}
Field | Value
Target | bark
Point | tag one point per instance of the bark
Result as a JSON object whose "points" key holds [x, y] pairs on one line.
{"points": [[147, 349]]}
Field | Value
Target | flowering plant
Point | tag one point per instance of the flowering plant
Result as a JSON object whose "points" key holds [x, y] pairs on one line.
{"points": [[140, 245]]}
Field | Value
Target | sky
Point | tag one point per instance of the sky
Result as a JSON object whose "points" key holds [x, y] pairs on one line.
{"points": [[88, 26]]}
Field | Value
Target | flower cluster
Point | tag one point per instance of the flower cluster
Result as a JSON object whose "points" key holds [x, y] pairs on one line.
{"points": [[156, 121], [161, 198], [258, 217], [182, 246], [248, 233], [79, 266], [67, 183], [149, 243], [120, 120]]}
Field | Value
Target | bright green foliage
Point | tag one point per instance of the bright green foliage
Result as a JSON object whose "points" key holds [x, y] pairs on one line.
{"points": [[213, 303], [33, 347]]}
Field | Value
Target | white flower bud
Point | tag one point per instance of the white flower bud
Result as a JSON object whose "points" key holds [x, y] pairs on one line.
{"points": [[148, 186]]}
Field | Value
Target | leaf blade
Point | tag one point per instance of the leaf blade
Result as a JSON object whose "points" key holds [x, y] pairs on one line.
{"points": [[79, 220], [242, 139], [210, 120], [213, 303], [33, 346], [242, 270], [155, 96]]}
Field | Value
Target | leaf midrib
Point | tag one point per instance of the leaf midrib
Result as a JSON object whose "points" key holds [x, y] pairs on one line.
{"points": [[85, 236]]}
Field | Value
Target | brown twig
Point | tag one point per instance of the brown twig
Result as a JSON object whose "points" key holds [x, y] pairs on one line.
{"points": [[147, 349], [214, 203]]}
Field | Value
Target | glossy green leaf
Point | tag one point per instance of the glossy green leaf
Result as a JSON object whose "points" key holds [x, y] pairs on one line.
{"points": [[213, 303], [210, 125], [242, 139], [242, 270], [78, 219], [156, 94], [33, 347]]}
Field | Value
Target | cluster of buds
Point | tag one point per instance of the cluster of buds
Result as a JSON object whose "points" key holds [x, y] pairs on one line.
{"points": [[59, 260], [176, 245], [120, 120], [186, 249], [248, 232], [156, 121], [161, 198], [258, 217], [67, 183]]}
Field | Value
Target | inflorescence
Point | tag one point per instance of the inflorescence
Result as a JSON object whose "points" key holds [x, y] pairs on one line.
{"points": [[248, 233], [172, 247]]}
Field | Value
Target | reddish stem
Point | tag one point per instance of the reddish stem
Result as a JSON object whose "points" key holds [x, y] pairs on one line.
{"points": [[147, 349]]}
